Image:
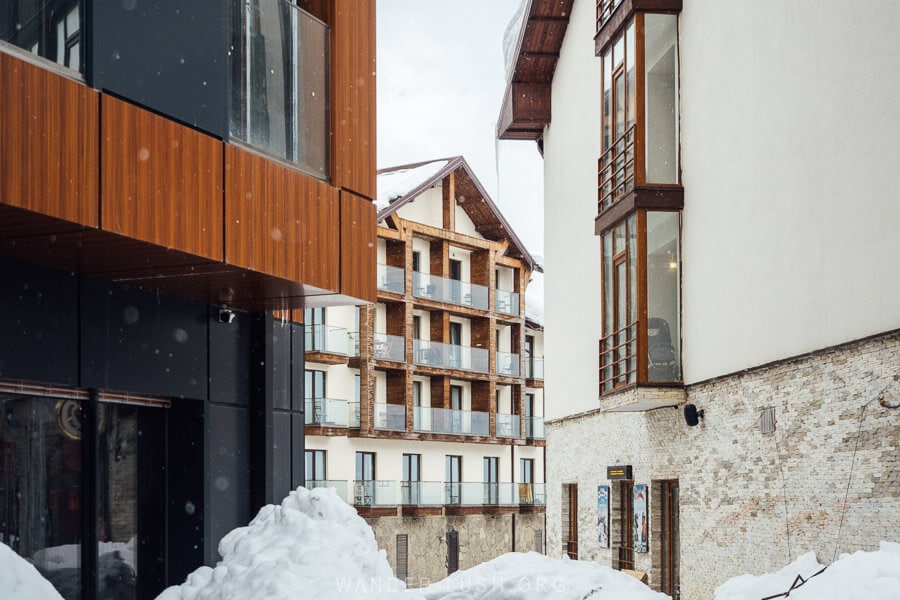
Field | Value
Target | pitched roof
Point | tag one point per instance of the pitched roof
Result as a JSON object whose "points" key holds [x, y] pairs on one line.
{"points": [[402, 184]]}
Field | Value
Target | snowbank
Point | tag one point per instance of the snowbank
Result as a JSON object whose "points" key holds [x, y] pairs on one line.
{"points": [[20, 579], [869, 575], [313, 545]]}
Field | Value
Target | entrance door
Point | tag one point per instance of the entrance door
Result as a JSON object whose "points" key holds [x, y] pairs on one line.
{"points": [[669, 532], [623, 553], [570, 502]]}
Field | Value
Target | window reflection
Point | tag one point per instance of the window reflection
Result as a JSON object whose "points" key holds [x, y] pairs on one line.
{"points": [[48, 28]]}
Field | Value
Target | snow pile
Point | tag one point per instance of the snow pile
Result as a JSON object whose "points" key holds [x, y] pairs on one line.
{"points": [[533, 576], [20, 579], [396, 184], [313, 545], [869, 575]]}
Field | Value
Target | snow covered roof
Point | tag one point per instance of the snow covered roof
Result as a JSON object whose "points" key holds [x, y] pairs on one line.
{"points": [[402, 184]]}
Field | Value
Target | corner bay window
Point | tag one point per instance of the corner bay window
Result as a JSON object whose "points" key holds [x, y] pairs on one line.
{"points": [[641, 301]]}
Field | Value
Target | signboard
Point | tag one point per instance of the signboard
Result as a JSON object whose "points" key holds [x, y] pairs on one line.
{"points": [[603, 515], [618, 472], [641, 524]]}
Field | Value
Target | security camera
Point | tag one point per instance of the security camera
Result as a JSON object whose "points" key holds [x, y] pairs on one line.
{"points": [[225, 315], [692, 416]]}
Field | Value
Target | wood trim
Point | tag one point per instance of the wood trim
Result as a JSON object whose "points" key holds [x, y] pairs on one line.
{"points": [[640, 117], [49, 143], [353, 96], [622, 15], [359, 249], [448, 205], [646, 197], [641, 284], [161, 181]]}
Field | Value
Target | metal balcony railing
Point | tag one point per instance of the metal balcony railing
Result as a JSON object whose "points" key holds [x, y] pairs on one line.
{"points": [[507, 364], [450, 421], [328, 339], [534, 367], [327, 412], [390, 416], [508, 425], [450, 356], [449, 291], [391, 279], [280, 83], [507, 302], [534, 428], [618, 357], [605, 9], [421, 493], [616, 170]]}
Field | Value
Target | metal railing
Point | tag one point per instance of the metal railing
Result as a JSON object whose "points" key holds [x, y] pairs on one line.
{"points": [[450, 356], [391, 279], [605, 9], [327, 412], [616, 170], [534, 367], [507, 364], [390, 416], [507, 302], [328, 339], [534, 428], [281, 82], [450, 291], [421, 493], [508, 425], [448, 420], [618, 358]]}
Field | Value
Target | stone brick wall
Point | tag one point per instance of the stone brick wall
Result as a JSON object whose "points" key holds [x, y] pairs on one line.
{"points": [[750, 502], [481, 538]]}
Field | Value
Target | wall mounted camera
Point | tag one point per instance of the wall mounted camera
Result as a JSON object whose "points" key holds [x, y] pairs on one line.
{"points": [[692, 416], [226, 315]]}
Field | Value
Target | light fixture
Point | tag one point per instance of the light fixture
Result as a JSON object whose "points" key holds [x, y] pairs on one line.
{"points": [[692, 416]]}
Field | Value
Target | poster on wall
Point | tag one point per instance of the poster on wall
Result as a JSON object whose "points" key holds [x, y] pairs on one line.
{"points": [[640, 525], [603, 515]]}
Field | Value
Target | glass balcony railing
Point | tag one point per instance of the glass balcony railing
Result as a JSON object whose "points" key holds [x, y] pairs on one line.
{"points": [[328, 339], [374, 493], [534, 367], [421, 493], [534, 428], [353, 414], [327, 412], [507, 302], [532, 494], [450, 356], [389, 347], [446, 420], [481, 494], [451, 291], [340, 487], [508, 425], [507, 364], [280, 83], [391, 279], [390, 416]]}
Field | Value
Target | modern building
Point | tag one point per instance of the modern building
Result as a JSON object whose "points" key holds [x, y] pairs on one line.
{"points": [[723, 331], [425, 409], [178, 179]]}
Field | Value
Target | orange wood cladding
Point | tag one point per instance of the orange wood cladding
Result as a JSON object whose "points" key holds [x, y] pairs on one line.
{"points": [[279, 221], [353, 68], [48, 143], [358, 247], [162, 182]]}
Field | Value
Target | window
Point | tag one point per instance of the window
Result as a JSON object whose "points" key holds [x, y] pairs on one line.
{"points": [[364, 485], [315, 467], [641, 276], [526, 470], [314, 327], [49, 29], [452, 483], [491, 480], [410, 488], [314, 394]]}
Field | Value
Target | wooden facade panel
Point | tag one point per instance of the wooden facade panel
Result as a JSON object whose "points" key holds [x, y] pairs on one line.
{"points": [[353, 96], [358, 247], [49, 138], [279, 221], [162, 182]]}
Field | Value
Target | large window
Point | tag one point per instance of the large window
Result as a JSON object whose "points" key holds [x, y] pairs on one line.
{"points": [[315, 466], [51, 29], [641, 301]]}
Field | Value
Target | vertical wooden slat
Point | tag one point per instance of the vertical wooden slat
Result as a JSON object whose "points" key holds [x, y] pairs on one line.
{"points": [[162, 181], [353, 96], [49, 143], [358, 247]]}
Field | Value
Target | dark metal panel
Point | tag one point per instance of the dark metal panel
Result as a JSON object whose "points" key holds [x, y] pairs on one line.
{"points": [[281, 456], [229, 356], [228, 465], [142, 342], [38, 324], [186, 481], [168, 55]]}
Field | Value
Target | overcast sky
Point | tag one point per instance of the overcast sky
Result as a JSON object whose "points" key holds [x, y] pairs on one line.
{"points": [[441, 80]]}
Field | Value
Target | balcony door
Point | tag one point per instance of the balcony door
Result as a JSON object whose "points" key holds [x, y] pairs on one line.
{"points": [[456, 417], [452, 474], [491, 480], [412, 467], [455, 345], [364, 490], [455, 281]]}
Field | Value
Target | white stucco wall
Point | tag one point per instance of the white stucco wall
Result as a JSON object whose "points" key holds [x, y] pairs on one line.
{"points": [[572, 252], [790, 144], [427, 208], [464, 224]]}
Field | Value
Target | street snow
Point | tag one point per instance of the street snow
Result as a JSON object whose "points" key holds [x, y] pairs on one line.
{"points": [[314, 545]]}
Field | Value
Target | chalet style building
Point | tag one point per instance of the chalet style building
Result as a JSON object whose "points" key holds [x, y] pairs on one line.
{"points": [[179, 179], [725, 371], [425, 409]]}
